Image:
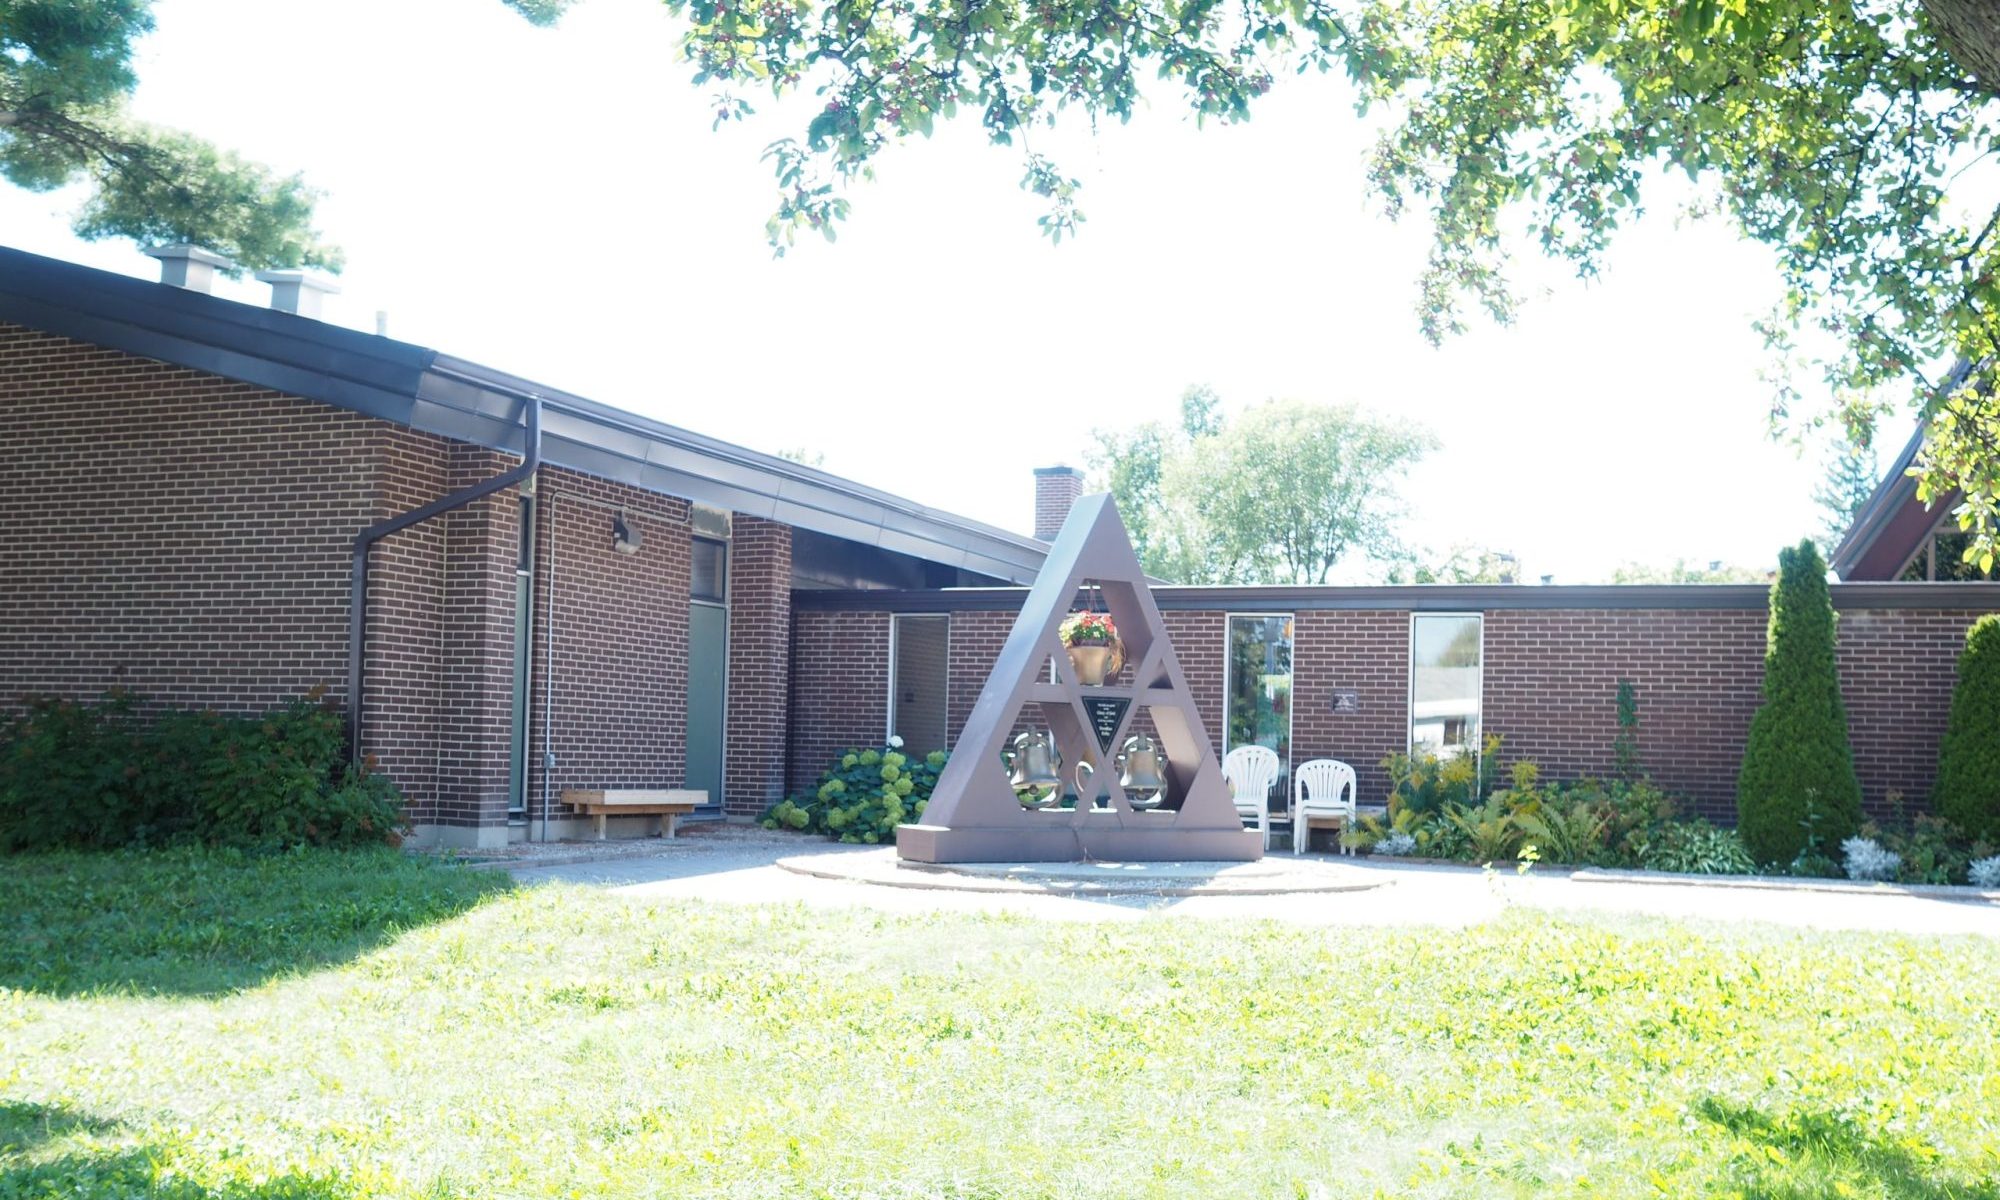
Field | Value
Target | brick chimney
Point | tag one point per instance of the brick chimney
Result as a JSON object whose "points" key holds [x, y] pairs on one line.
{"points": [[1056, 489], [189, 267], [298, 291]]}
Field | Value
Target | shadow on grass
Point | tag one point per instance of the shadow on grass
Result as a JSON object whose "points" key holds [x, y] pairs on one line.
{"points": [[193, 922], [1807, 1155], [56, 1151], [25, 1126]]}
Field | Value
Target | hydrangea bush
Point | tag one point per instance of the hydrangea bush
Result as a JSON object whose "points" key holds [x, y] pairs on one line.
{"points": [[863, 796]]}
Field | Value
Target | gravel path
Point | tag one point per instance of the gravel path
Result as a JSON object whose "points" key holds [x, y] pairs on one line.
{"points": [[734, 864]]}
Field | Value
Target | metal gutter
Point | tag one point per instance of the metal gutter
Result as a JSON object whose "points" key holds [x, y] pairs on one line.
{"points": [[454, 398], [357, 611], [1432, 598]]}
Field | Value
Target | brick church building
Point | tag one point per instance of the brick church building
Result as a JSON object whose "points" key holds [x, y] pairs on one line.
{"points": [[208, 504]]}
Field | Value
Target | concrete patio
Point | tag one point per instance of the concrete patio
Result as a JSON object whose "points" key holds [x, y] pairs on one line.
{"points": [[738, 865]]}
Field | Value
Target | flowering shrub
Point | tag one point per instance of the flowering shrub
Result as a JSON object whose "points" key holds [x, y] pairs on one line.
{"points": [[1087, 629], [1867, 860], [1425, 782], [863, 796], [1985, 873]]}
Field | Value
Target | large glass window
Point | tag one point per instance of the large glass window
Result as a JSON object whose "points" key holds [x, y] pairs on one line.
{"points": [[919, 669], [1445, 661], [1260, 689]]}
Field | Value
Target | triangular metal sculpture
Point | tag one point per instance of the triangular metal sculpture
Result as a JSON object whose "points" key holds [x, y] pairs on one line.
{"points": [[974, 815]]}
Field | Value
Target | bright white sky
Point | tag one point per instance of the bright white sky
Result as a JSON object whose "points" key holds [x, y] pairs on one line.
{"points": [[553, 203]]}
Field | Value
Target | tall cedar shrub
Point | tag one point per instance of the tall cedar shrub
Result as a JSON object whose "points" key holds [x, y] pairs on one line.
{"points": [[1797, 786], [1968, 785]]}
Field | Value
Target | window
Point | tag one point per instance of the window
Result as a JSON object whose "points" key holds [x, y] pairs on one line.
{"points": [[1445, 660], [918, 671], [709, 570], [1941, 556], [1260, 689]]}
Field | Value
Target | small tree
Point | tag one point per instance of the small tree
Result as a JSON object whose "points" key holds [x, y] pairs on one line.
{"points": [[1968, 785], [1797, 789]]}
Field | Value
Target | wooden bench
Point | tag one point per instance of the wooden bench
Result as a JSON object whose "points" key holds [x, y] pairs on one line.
{"points": [[668, 805]]}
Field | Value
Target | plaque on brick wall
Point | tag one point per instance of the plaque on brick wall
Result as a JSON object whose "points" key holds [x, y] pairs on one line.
{"points": [[1346, 700]]}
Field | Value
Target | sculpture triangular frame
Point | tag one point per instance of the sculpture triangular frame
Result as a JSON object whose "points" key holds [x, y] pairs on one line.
{"points": [[973, 814]]}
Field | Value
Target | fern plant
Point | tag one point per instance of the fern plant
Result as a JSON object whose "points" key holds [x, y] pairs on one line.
{"points": [[1491, 831]]}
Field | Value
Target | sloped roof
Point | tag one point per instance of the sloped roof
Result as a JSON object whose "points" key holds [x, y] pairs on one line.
{"points": [[455, 398], [1892, 523]]}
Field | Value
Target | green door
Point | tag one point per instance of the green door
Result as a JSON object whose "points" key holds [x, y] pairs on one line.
{"points": [[708, 674]]}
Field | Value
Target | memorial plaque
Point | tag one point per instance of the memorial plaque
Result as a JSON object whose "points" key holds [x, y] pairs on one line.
{"points": [[1105, 714], [1346, 700]]}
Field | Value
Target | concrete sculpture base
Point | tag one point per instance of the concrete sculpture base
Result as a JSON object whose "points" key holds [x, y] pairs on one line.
{"points": [[1089, 839]]}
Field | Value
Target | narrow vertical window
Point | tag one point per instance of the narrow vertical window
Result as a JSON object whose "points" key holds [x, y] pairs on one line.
{"points": [[1259, 684], [919, 671], [1446, 653]]}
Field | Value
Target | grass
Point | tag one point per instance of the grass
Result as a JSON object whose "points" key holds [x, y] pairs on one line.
{"points": [[561, 1042]]}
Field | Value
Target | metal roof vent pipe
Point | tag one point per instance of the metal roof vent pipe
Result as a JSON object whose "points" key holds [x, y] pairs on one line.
{"points": [[298, 292], [190, 267]]}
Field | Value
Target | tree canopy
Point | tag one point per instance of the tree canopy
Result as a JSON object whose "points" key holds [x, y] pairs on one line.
{"points": [[1851, 138], [1281, 493], [65, 76]]}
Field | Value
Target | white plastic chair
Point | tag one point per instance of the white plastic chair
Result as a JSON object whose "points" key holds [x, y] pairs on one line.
{"points": [[1250, 771], [1322, 790]]}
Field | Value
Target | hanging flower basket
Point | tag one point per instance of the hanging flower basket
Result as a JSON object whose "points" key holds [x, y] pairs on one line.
{"points": [[1095, 652]]}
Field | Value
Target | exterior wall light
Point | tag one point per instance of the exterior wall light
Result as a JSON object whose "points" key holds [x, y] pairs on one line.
{"points": [[624, 538]]}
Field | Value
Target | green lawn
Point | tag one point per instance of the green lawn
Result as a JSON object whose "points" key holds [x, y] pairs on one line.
{"points": [[192, 1027]]}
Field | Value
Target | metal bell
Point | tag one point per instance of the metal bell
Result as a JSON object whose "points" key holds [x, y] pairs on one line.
{"points": [[1036, 762], [1144, 782]]}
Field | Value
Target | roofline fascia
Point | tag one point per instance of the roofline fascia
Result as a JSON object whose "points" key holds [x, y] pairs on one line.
{"points": [[1437, 597], [466, 401]]}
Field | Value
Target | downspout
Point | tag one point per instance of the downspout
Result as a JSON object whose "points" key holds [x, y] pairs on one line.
{"points": [[357, 609]]}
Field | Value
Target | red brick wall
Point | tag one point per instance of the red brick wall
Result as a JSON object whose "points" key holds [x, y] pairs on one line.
{"points": [[840, 664], [190, 537], [1897, 667], [618, 706], [403, 665], [170, 532], [475, 706], [1550, 688], [1365, 652], [1056, 492], [840, 686], [760, 652]]}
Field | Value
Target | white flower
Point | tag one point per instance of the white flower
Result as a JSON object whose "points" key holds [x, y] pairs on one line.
{"points": [[1867, 860], [895, 743], [1985, 873]]}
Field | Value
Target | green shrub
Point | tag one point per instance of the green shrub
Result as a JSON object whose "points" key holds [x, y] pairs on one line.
{"points": [[1694, 848], [1426, 783], [863, 796], [1797, 792], [1968, 783], [1487, 833], [100, 775]]}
